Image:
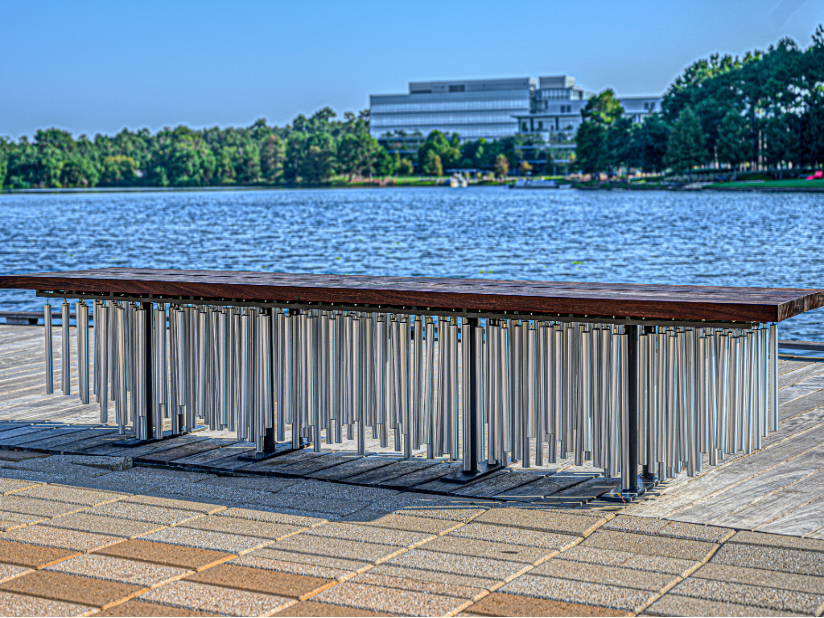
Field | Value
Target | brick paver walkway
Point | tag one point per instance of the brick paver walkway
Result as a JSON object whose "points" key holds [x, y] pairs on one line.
{"points": [[93, 535]]}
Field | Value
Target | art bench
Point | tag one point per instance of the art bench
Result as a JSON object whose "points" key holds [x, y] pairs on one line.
{"points": [[632, 377]]}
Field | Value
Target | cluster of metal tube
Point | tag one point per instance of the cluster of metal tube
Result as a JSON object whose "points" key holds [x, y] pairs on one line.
{"points": [[541, 390]]}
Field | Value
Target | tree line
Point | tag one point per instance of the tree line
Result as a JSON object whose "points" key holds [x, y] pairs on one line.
{"points": [[309, 150], [765, 112]]}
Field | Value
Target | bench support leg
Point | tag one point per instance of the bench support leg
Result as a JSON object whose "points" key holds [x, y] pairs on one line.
{"points": [[637, 484], [472, 469], [153, 422], [270, 447]]}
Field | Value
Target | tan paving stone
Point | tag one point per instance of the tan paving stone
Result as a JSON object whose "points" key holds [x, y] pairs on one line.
{"points": [[144, 512], [134, 572], [460, 514], [796, 561], [743, 594], [193, 595], [173, 503], [418, 585], [777, 540], [5, 526], [8, 486], [760, 577], [315, 609], [71, 588], [58, 537], [393, 601], [645, 544], [677, 605], [336, 548], [261, 580], [570, 591], [246, 527], [206, 539], [273, 517], [32, 556], [140, 608], [457, 564], [499, 604], [546, 520], [62, 493], [628, 560], [97, 524], [10, 571], [296, 568], [22, 605], [515, 536], [34, 506], [425, 525], [326, 567], [488, 549], [611, 576], [434, 576], [666, 528], [370, 534], [22, 519], [178, 556]]}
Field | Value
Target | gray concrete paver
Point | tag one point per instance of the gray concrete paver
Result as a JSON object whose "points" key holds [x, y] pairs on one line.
{"points": [[744, 594], [677, 605], [588, 593]]}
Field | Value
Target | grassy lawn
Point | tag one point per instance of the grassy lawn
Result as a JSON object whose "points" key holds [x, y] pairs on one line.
{"points": [[770, 184]]}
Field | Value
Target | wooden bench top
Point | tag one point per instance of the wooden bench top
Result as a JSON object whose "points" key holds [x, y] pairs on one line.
{"points": [[624, 300]]}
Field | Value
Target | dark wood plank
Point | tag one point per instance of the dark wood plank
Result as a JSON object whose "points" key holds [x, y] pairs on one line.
{"points": [[542, 488], [580, 494], [302, 468], [392, 471], [167, 455], [595, 299], [352, 468], [424, 475]]}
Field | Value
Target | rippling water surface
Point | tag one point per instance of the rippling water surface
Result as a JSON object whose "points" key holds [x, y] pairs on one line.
{"points": [[707, 238]]}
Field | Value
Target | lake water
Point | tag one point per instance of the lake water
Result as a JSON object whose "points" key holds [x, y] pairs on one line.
{"points": [[706, 238]]}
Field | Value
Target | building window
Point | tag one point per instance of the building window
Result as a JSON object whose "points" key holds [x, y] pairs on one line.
{"points": [[457, 88], [540, 125], [524, 126]]}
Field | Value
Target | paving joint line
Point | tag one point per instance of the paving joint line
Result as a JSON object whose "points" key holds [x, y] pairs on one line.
{"points": [[679, 578]]}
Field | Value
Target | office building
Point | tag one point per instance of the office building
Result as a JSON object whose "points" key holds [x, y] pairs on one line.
{"points": [[548, 109]]}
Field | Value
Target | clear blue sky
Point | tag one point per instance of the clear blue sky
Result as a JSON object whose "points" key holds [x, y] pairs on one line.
{"points": [[92, 67]]}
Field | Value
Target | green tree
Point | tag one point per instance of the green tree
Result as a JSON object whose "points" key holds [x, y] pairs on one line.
{"points": [[272, 154], [591, 145], [318, 163], [686, 147], [432, 165], [734, 143], [448, 150], [524, 167], [405, 167], [501, 166], [649, 142], [620, 151]]}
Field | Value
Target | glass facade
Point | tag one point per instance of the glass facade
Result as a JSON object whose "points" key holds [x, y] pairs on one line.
{"points": [[549, 110], [472, 109]]}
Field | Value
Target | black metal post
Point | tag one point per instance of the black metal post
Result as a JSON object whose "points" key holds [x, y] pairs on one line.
{"points": [[637, 484], [270, 446], [472, 469], [151, 418]]}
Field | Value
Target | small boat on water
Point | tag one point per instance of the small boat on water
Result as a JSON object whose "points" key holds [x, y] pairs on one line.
{"points": [[534, 183], [457, 181]]}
